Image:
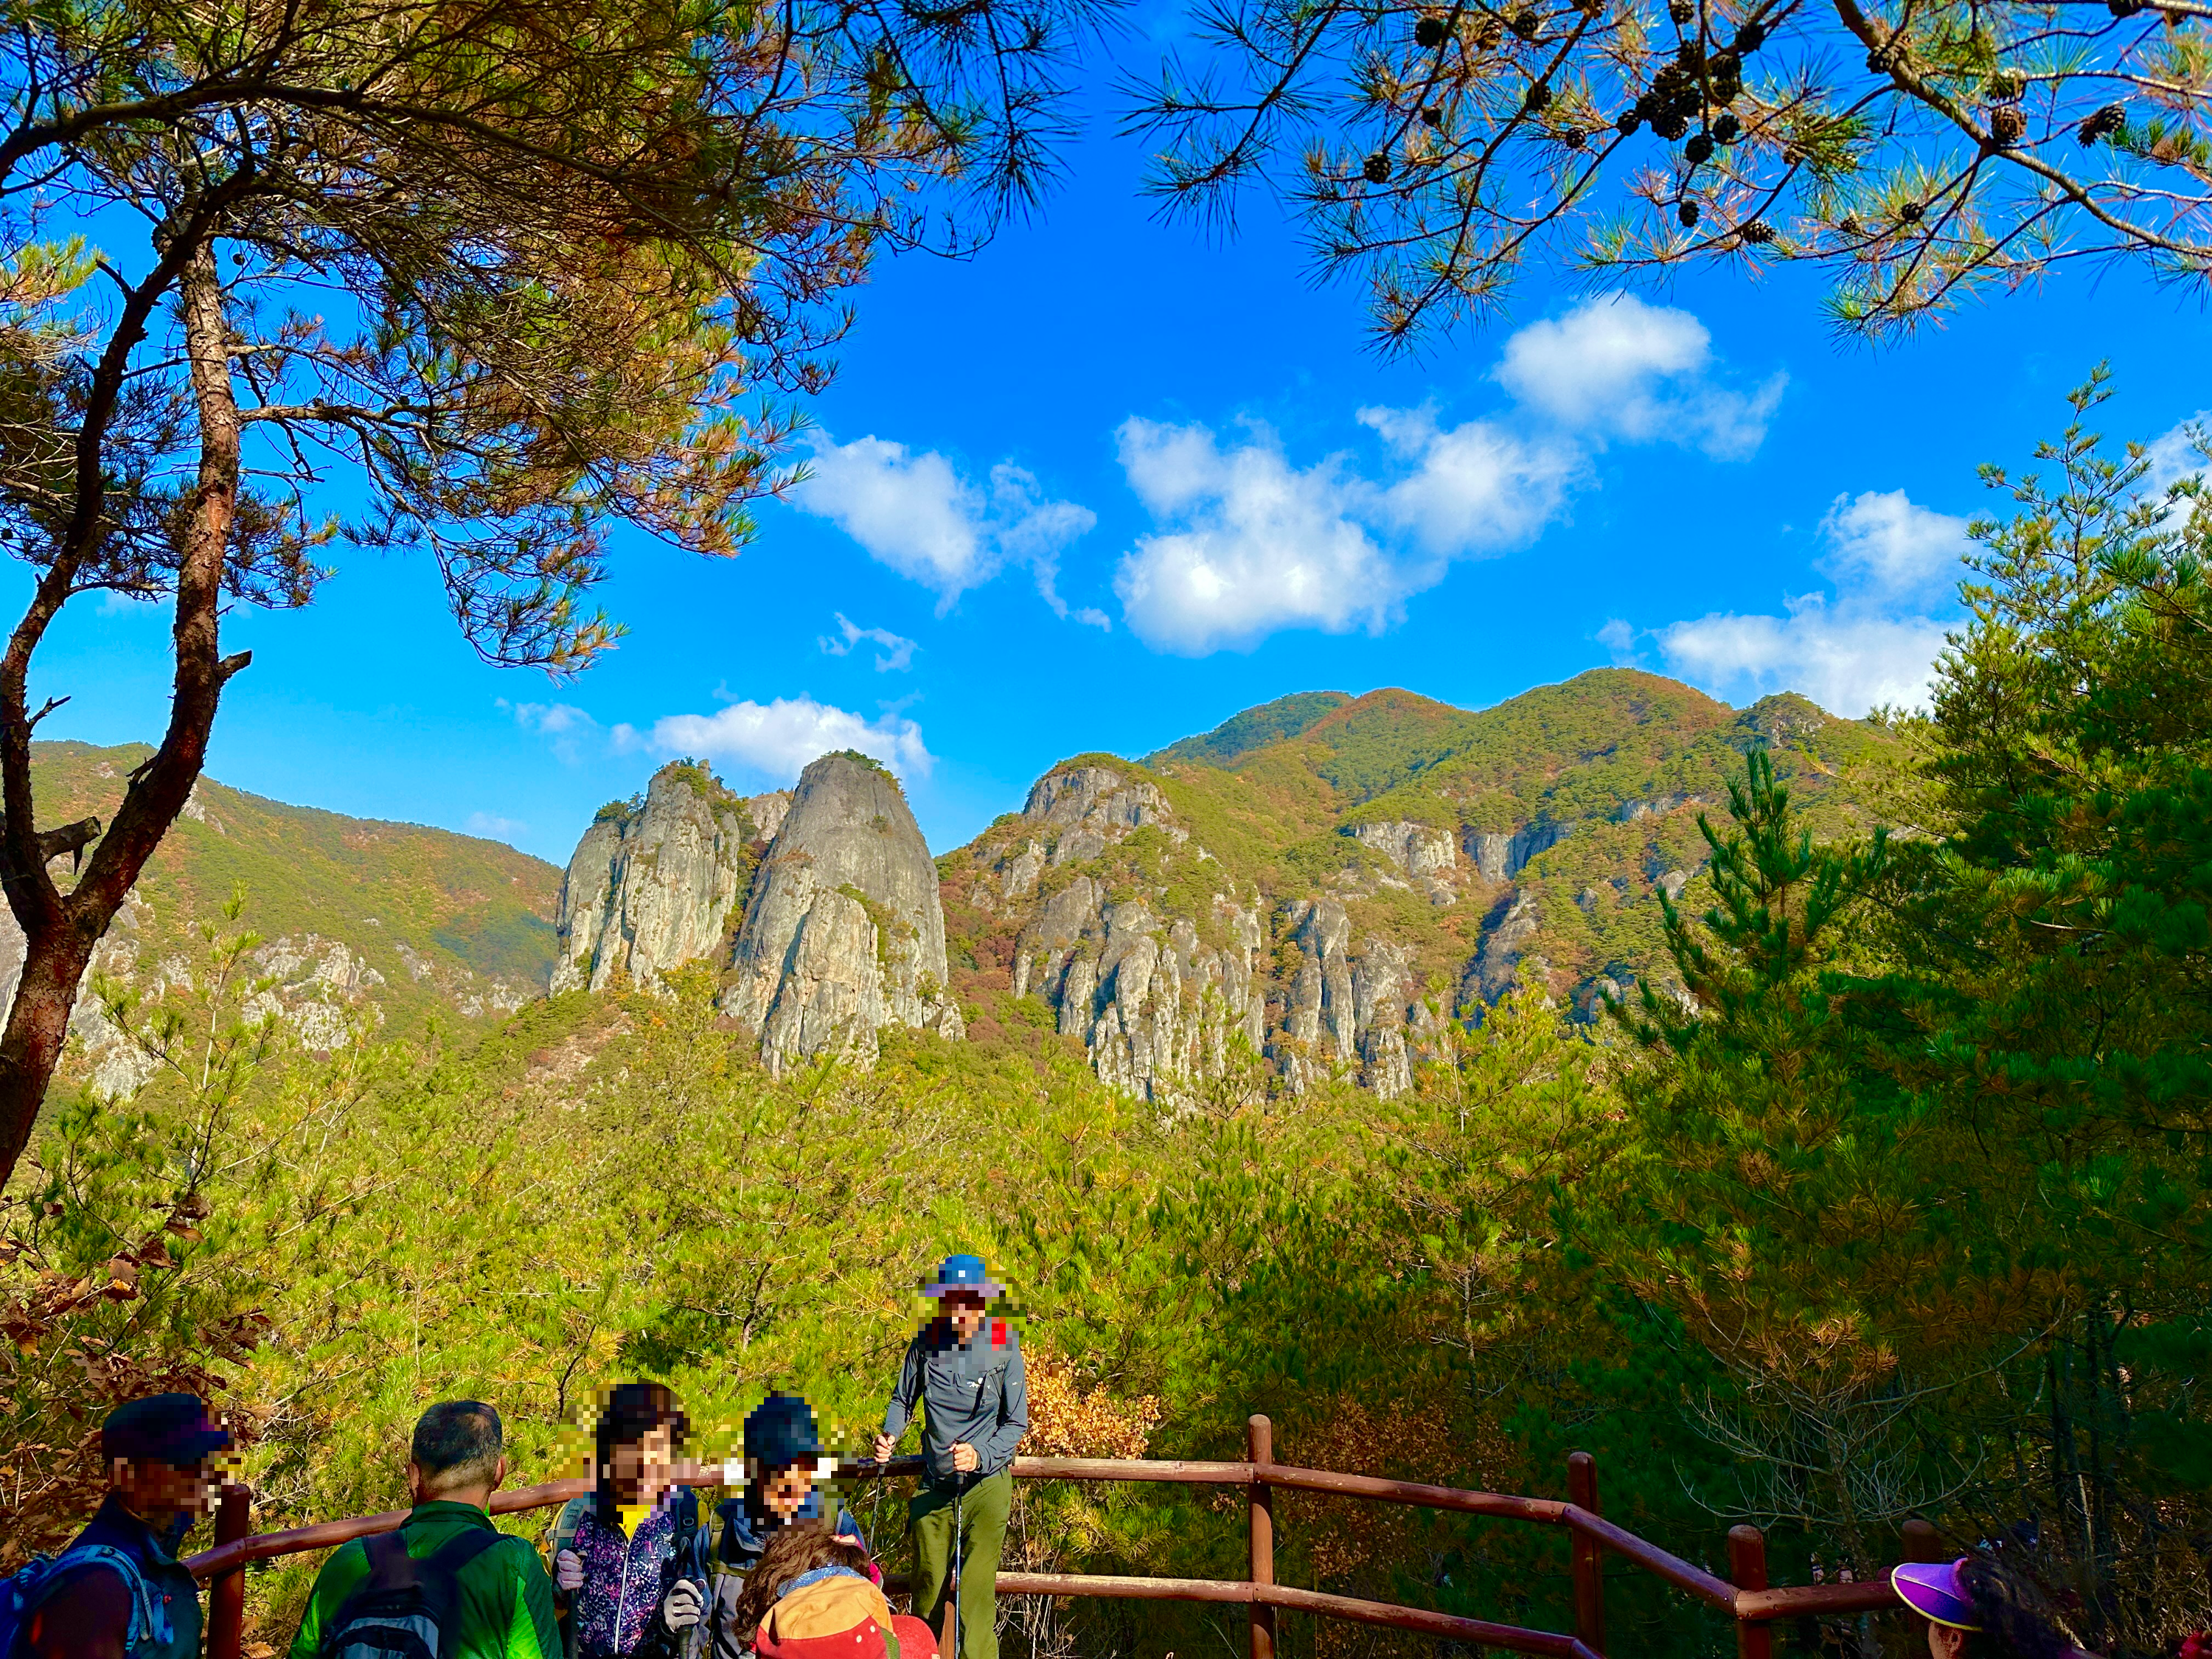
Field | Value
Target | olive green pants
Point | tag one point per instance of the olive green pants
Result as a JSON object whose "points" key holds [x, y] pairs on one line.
{"points": [[983, 1509]]}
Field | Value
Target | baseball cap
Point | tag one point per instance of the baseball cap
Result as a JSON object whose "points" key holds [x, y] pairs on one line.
{"points": [[162, 1428]]}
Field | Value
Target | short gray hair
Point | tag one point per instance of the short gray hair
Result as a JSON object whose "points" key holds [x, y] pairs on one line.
{"points": [[457, 1443]]}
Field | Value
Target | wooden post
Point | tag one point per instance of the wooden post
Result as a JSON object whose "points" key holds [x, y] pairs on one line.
{"points": [[1748, 1570], [1260, 1517], [1588, 1564], [226, 1628], [1922, 1543]]}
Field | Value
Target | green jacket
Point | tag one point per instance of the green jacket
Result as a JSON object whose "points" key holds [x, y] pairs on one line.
{"points": [[505, 1601]]}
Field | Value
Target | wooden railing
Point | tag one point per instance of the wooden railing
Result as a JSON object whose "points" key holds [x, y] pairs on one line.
{"points": [[1749, 1601]]}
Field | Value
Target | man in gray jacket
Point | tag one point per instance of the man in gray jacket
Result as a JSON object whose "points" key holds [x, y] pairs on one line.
{"points": [[966, 1371]]}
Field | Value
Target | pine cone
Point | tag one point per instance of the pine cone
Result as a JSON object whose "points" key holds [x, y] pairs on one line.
{"points": [[1682, 11], [1758, 233], [1492, 33], [1574, 138], [1433, 117], [1727, 129], [1699, 149], [1429, 32], [2102, 124], [1527, 24], [1751, 37], [1670, 126], [1377, 169], [2007, 124], [1911, 213], [1535, 98], [1689, 215], [1627, 124]]}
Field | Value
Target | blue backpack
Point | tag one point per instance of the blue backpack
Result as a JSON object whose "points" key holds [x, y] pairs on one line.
{"points": [[22, 1592]]}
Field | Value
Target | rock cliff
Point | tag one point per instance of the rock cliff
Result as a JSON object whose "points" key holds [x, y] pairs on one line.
{"points": [[656, 881], [1310, 891], [843, 931]]}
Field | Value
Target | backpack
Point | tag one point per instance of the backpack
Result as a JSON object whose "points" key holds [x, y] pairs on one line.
{"points": [[691, 1557], [22, 1592], [403, 1609]]}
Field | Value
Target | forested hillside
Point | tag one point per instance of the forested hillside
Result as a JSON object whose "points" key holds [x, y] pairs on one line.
{"points": [[361, 919]]}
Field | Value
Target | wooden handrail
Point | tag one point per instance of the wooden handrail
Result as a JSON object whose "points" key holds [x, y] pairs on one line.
{"points": [[1749, 1607]]}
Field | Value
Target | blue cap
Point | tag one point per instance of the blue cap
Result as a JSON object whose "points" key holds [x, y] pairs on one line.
{"points": [[780, 1432], [963, 1273], [163, 1428]]}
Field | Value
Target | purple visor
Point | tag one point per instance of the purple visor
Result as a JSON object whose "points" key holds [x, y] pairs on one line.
{"points": [[1933, 1591]]}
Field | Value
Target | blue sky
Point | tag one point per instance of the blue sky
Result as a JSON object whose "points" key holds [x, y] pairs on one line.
{"points": [[1111, 481]]}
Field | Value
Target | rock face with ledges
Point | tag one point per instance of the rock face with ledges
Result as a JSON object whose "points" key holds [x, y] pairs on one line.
{"points": [[844, 932], [654, 885]]}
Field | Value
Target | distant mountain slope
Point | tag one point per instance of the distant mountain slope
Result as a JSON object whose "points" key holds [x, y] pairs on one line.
{"points": [[363, 918], [1308, 891], [1271, 722]]}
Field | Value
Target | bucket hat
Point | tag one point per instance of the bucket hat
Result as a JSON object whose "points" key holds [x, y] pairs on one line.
{"points": [[963, 1273], [1935, 1590]]}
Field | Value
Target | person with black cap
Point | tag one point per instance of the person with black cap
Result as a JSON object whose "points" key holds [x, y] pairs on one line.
{"points": [[119, 1590], [966, 1370], [783, 1468]]}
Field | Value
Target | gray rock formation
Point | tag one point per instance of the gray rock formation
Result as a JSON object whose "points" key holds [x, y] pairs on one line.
{"points": [[1415, 848], [655, 886], [1497, 856], [844, 932], [1499, 965], [1156, 1002]]}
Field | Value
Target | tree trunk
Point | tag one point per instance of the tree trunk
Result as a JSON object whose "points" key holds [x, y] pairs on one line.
{"points": [[62, 930]]}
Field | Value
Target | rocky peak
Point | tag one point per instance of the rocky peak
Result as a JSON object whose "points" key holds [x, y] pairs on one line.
{"points": [[844, 932], [655, 879], [1084, 808]]}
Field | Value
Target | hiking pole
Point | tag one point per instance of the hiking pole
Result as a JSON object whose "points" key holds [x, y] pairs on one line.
{"points": [[959, 1520]]}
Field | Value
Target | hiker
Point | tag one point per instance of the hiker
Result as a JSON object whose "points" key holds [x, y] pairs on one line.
{"points": [[810, 1595], [783, 1467], [483, 1593], [118, 1591], [970, 1380], [631, 1567], [1976, 1610]]}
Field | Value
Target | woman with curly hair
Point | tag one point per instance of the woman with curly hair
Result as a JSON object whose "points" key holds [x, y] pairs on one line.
{"points": [[811, 1593], [1976, 1610]]}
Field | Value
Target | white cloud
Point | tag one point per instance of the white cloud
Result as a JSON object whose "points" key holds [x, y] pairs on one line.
{"points": [[2173, 454], [1874, 640], [1246, 542], [1618, 637], [1616, 366], [1883, 543], [565, 726], [1251, 543], [777, 739], [1844, 659], [901, 649], [492, 825], [915, 512], [1476, 486]]}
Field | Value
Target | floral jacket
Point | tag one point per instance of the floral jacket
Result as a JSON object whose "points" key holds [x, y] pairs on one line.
{"points": [[614, 1613]]}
